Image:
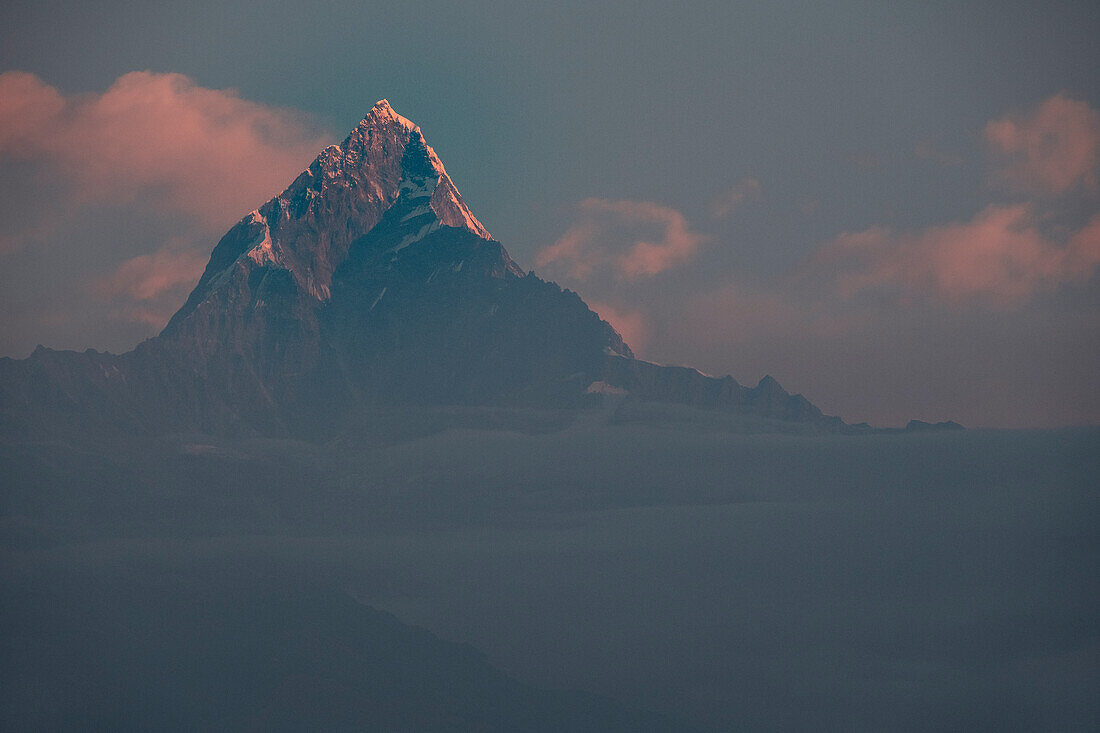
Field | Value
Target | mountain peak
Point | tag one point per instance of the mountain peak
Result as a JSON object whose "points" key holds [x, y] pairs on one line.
{"points": [[382, 112], [367, 282], [383, 169]]}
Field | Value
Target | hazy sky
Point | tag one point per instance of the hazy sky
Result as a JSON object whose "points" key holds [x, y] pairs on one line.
{"points": [[891, 208]]}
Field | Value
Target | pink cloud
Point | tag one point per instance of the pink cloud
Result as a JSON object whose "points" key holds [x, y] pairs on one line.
{"points": [[150, 287], [632, 325], [634, 239], [574, 250], [745, 190], [204, 152], [1007, 251], [28, 107], [1001, 256], [1051, 151]]}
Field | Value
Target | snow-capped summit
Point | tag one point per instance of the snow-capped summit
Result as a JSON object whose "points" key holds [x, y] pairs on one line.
{"points": [[422, 172], [383, 110], [308, 229]]}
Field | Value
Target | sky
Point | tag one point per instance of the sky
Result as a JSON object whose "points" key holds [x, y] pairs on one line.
{"points": [[892, 208]]}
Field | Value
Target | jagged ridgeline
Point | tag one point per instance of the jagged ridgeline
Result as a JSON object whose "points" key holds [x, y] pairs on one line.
{"points": [[368, 282]]}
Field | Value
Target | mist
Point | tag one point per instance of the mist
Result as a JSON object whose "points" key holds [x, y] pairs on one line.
{"points": [[625, 569]]}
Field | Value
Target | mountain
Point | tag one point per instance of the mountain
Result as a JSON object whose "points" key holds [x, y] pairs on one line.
{"points": [[368, 282]]}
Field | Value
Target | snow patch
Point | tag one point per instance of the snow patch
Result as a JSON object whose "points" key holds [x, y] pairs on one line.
{"points": [[383, 111], [418, 211], [452, 210], [412, 189], [424, 231], [320, 292], [263, 252]]}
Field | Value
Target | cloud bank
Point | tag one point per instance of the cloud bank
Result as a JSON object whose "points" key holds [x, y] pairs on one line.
{"points": [[203, 152], [120, 195], [1049, 152], [149, 288], [1008, 250], [891, 322], [633, 239], [1001, 256]]}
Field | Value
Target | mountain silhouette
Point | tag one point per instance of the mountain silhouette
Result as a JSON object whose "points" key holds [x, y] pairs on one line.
{"points": [[368, 282]]}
